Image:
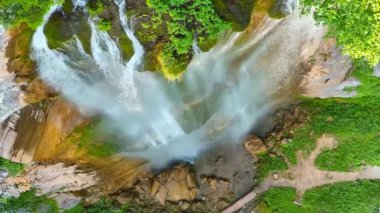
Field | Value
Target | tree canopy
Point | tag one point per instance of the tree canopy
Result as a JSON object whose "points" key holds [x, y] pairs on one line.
{"points": [[15, 12], [354, 23]]}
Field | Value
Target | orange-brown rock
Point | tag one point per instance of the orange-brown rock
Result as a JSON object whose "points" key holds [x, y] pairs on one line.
{"points": [[35, 132], [177, 184], [20, 63], [255, 145]]}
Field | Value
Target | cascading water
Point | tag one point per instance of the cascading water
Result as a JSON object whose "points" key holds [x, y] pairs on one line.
{"points": [[9, 91], [224, 91], [79, 4]]}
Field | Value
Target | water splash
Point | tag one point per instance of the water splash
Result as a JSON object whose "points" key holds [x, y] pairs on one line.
{"points": [[79, 4], [10, 93], [224, 91]]}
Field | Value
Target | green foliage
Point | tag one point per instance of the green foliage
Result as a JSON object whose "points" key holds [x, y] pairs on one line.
{"points": [[11, 167], [103, 25], [102, 206], [188, 20], [28, 202], [268, 165], [15, 12], [355, 24], [95, 8], [360, 197], [279, 200], [354, 122]]}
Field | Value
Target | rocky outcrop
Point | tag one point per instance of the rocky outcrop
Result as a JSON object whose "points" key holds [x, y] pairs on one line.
{"points": [[177, 184], [20, 64], [376, 71], [329, 73], [34, 132], [48, 179], [282, 8]]}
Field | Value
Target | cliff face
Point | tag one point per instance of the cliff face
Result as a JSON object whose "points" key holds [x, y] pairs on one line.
{"points": [[34, 132]]}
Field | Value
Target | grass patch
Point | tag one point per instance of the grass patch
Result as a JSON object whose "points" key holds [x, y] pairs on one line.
{"points": [[279, 200], [360, 197], [355, 122], [102, 206], [28, 202], [351, 155], [11, 167], [268, 165]]}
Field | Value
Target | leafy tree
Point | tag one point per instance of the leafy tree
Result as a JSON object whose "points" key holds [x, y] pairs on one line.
{"points": [[15, 12], [354, 23], [187, 20]]}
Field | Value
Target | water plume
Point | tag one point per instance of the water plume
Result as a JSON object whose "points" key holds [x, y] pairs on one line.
{"points": [[222, 96]]}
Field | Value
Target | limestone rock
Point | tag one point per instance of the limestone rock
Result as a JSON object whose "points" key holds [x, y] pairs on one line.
{"points": [[255, 145], [177, 184], [34, 132], [376, 71], [48, 179], [66, 200], [329, 73]]}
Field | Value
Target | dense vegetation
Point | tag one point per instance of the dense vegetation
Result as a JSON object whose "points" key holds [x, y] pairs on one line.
{"points": [[28, 202], [11, 167], [355, 197], [15, 12], [188, 21], [355, 24]]}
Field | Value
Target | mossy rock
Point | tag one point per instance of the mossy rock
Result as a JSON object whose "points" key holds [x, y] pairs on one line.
{"points": [[63, 25], [236, 12]]}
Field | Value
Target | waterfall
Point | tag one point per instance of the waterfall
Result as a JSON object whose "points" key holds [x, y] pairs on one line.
{"points": [[79, 4], [10, 100], [223, 94]]}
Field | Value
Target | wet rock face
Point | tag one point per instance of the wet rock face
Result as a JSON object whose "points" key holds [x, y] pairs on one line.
{"points": [[177, 184], [34, 132], [282, 8], [236, 11], [48, 179]]}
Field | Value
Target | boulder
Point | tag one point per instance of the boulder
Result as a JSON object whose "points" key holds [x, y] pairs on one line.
{"points": [[255, 146], [177, 184]]}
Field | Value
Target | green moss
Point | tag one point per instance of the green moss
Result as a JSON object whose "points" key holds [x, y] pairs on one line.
{"points": [[11, 167], [103, 25], [28, 202], [360, 197], [52, 32], [60, 29], [95, 140], [268, 165], [126, 46]]}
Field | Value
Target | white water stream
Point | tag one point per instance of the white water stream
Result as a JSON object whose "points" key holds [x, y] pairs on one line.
{"points": [[224, 91]]}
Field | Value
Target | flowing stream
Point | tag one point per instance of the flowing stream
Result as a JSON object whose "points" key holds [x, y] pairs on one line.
{"points": [[224, 92]]}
